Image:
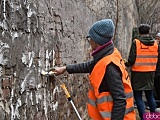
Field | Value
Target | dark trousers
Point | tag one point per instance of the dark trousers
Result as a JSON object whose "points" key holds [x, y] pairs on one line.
{"points": [[140, 103], [157, 88]]}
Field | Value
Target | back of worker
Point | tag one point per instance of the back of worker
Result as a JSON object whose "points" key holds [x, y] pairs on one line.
{"points": [[143, 58]]}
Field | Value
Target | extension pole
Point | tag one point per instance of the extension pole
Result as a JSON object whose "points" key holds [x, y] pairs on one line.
{"points": [[70, 100], [65, 90]]}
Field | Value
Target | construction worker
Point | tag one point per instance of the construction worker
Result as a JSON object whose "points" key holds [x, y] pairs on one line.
{"points": [[143, 58], [110, 96]]}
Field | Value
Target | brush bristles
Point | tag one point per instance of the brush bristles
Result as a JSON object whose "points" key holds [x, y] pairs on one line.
{"points": [[44, 72]]}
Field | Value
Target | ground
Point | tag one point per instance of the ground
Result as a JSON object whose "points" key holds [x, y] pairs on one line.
{"points": [[137, 115]]}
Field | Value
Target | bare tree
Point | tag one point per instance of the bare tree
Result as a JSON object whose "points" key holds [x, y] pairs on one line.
{"points": [[148, 11]]}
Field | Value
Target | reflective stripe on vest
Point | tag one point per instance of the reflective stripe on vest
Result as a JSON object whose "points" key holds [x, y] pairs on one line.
{"points": [[92, 102], [146, 57], [100, 105], [106, 99], [108, 114], [109, 98]]}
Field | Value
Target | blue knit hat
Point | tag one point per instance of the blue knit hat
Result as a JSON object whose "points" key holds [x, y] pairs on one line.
{"points": [[102, 31]]}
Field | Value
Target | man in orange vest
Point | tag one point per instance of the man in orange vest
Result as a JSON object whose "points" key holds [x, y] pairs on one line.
{"points": [[110, 96], [143, 58]]}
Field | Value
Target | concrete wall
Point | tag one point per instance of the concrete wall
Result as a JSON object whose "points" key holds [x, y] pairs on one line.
{"points": [[38, 34]]}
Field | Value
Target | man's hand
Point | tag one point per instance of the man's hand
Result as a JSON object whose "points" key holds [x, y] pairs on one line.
{"points": [[59, 70]]}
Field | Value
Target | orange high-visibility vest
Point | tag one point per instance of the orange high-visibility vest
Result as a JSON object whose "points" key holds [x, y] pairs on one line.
{"points": [[100, 104], [146, 58]]}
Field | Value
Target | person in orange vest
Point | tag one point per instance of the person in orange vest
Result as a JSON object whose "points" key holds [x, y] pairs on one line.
{"points": [[143, 58], [110, 96]]}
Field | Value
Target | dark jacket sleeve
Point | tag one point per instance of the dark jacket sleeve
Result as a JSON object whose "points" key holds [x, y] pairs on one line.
{"points": [[113, 81], [132, 55], [85, 67]]}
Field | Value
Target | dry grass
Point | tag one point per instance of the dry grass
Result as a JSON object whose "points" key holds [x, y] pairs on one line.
{"points": [[137, 115]]}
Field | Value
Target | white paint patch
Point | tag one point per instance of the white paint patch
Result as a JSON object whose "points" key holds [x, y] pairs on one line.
{"points": [[14, 35], [14, 74], [12, 108], [30, 12], [45, 102], [25, 82], [12, 112], [38, 97], [54, 59], [27, 58], [2, 105], [15, 112], [47, 60], [29, 15], [0, 71], [39, 86], [31, 98], [56, 90], [31, 57], [15, 6], [23, 85], [4, 9], [24, 58], [1, 24], [4, 25], [3, 33], [24, 114], [55, 104], [49, 55], [3, 49], [29, 80]]}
